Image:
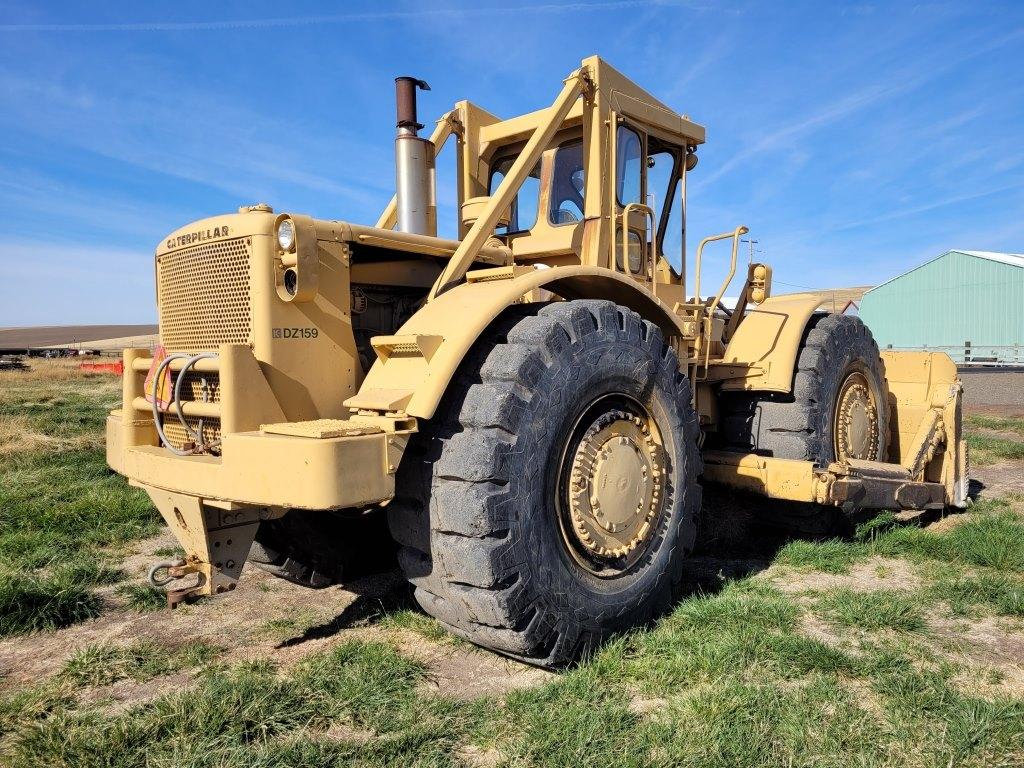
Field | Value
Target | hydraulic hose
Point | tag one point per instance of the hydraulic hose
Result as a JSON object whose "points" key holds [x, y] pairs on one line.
{"points": [[190, 360]]}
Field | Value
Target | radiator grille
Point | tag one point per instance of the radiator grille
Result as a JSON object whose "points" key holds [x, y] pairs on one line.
{"points": [[204, 296], [202, 387], [177, 437]]}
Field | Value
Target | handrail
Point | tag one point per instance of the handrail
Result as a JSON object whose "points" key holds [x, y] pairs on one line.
{"points": [[195, 408], [648, 213], [205, 365], [735, 235]]}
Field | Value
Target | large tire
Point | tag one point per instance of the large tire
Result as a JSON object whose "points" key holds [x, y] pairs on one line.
{"points": [[838, 361], [317, 549], [484, 510]]}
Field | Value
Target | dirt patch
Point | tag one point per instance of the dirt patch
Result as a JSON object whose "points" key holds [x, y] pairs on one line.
{"points": [[993, 388], [985, 645], [465, 672], [68, 335], [644, 705], [871, 575], [818, 629], [265, 618], [1005, 411], [478, 757], [143, 553], [995, 480], [1002, 434]]}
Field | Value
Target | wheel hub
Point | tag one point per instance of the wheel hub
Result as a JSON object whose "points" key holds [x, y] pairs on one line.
{"points": [[856, 422], [616, 485]]}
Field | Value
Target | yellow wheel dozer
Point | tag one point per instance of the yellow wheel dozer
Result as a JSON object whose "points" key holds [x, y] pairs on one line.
{"points": [[526, 412]]}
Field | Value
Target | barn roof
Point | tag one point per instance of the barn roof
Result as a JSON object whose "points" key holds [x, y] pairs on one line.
{"points": [[1013, 259]]}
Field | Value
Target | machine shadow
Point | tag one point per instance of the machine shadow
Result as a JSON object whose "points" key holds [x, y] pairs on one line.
{"points": [[739, 535]]}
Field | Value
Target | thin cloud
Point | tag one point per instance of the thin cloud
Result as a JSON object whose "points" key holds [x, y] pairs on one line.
{"points": [[849, 105], [924, 208], [349, 18]]}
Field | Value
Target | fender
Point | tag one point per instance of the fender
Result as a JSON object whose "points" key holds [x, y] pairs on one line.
{"points": [[761, 355], [414, 366]]}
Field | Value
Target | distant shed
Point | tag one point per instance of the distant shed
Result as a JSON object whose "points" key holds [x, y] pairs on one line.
{"points": [[967, 303]]}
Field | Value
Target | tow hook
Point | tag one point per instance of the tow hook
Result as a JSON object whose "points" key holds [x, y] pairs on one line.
{"points": [[162, 574]]}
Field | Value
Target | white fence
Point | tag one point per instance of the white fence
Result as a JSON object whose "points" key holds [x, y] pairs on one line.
{"points": [[970, 353]]}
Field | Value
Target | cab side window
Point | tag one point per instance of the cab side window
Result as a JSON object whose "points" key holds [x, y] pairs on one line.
{"points": [[663, 189], [525, 206], [628, 166], [567, 185]]}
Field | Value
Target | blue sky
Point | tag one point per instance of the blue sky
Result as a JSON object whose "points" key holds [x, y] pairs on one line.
{"points": [[855, 140]]}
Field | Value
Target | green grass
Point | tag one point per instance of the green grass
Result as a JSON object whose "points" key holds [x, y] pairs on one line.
{"points": [[833, 556], [995, 423], [975, 731], [578, 720], [53, 504], [999, 593], [69, 409], [727, 678], [30, 602], [252, 715], [285, 627], [415, 621], [988, 449], [144, 660], [143, 597], [740, 723], [61, 508], [25, 708], [742, 628], [992, 536], [882, 609]]}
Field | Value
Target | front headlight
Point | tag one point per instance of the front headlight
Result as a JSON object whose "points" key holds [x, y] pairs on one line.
{"points": [[286, 235]]}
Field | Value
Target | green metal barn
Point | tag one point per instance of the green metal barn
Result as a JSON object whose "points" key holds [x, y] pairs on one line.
{"points": [[967, 303]]}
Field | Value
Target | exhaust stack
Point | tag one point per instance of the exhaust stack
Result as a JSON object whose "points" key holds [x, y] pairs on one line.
{"points": [[414, 164]]}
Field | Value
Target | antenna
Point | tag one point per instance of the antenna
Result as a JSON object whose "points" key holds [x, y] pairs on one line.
{"points": [[752, 243]]}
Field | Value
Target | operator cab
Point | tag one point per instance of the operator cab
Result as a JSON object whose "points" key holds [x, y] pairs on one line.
{"points": [[547, 215]]}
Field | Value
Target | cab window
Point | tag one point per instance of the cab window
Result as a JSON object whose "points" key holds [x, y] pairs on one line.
{"points": [[628, 166], [567, 184], [525, 206], [663, 189]]}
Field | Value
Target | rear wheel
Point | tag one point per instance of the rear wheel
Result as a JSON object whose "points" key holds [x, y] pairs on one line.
{"points": [[839, 406], [553, 499]]}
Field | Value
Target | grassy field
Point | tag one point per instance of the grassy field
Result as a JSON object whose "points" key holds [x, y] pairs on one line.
{"points": [[901, 645]]}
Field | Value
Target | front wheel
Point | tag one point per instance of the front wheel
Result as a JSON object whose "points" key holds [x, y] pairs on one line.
{"points": [[553, 499]]}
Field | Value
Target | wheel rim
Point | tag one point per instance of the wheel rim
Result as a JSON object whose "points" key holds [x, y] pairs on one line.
{"points": [[611, 493], [855, 430]]}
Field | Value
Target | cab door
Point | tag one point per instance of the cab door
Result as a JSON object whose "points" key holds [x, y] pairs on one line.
{"points": [[634, 219]]}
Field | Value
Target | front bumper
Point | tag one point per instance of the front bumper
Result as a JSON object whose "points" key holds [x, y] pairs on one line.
{"points": [[265, 469], [264, 461], [214, 504]]}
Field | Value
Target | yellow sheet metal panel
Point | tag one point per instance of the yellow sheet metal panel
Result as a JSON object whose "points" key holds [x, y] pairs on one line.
{"points": [[278, 470], [926, 416], [460, 315], [769, 339], [320, 429]]}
